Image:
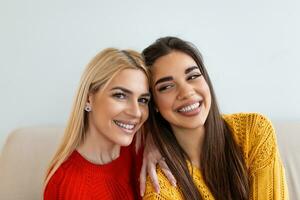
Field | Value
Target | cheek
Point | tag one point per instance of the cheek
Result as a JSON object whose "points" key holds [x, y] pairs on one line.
{"points": [[206, 91], [145, 113], [101, 108], [163, 102], [203, 86]]}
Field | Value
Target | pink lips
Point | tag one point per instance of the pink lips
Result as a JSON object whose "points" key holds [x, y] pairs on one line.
{"points": [[128, 127], [189, 109]]}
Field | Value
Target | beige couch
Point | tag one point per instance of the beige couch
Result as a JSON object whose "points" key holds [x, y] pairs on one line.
{"points": [[27, 152]]}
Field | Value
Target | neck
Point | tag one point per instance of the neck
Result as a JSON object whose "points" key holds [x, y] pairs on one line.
{"points": [[98, 149], [191, 140]]}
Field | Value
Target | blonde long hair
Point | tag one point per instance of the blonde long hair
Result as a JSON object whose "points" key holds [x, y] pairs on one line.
{"points": [[101, 69]]}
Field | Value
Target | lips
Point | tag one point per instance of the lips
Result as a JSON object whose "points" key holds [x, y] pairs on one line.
{"points": [[127, 126], [189, 107]]}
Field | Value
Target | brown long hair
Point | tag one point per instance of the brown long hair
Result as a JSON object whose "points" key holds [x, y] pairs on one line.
{"points": [[222, 163]]}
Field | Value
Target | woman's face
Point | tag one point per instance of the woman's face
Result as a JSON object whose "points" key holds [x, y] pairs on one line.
{"points": [[180, 92], [120, 108]]}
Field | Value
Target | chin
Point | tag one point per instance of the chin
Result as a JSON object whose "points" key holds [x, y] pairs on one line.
{"points": [[125, 142], [192, 124]]}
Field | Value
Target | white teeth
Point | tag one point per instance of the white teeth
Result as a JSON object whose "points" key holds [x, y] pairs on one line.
{"points": [[126, 126], [189, 107]]}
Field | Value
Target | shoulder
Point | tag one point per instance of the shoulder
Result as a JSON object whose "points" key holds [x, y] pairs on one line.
{"points": [[240, 125], [256, 134], [247, 120], [52, 188], [63, 170], [244, 125], [66, 171], [167, 191]]}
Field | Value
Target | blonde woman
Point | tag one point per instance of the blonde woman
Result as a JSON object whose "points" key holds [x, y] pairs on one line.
{"points": [[97, 158]]}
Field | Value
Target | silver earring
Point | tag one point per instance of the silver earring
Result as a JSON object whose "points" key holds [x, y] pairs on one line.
{"points": [[88, 108]]}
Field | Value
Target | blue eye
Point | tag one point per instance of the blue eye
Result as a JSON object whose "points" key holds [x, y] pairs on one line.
{"points": [[144, 100], [120, 95]]}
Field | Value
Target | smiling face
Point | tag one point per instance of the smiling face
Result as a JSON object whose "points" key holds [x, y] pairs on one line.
{"points": [[120, 108], [180, 92]]}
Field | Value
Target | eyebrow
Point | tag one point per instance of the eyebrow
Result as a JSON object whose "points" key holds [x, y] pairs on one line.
{"points": [[188, 70], [170, 78], [164, 79], [129, 92]]}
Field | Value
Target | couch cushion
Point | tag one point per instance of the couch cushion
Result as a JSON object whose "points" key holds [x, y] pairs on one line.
{"points": [[24, 159], [27, 153], [288, 138]]}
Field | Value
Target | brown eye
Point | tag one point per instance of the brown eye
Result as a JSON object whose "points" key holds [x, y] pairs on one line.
{"points": [[194, 76], [164, 87]]}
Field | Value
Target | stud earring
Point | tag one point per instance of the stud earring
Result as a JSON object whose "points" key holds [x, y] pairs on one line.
{"points": [[88, 108], [156, 110]]}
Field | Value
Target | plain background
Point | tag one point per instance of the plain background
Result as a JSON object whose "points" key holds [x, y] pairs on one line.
{"points": [[250, 48]]}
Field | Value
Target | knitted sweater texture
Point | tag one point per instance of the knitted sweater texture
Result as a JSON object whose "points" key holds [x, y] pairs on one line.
{"points": [[255, 134], [78, 178]]}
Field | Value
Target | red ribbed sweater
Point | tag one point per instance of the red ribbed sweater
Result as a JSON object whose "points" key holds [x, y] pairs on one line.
{"points": [[78, 178]]}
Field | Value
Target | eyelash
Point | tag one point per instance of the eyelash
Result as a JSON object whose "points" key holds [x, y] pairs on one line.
{"points": [[121, 95], [165, 87], [194, 76], [144, 101]]}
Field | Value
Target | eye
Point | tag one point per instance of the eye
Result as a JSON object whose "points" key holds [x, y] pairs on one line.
{"points": [[119, 95], [144, 100], [164, 87], [193, 76]]}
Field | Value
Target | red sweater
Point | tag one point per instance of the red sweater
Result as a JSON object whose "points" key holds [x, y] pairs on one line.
{"points": [[78, 178]]}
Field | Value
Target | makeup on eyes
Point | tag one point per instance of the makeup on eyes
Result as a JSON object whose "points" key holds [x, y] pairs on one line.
{"points": [[192, 73], [123, 93]]}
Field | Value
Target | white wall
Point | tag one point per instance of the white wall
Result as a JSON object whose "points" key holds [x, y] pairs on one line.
{"points": [[250, 49]]}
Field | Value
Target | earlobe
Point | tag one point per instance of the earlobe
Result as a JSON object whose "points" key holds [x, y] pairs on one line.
{"points": [[88, 107]]}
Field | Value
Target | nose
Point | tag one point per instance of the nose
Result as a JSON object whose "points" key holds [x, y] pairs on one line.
{"points": [[134, 109], [185, 91]]}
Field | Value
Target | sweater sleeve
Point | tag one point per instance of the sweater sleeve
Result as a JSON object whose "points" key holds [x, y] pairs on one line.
{"points": [[167, 191], [266, 172], [51, 191]]}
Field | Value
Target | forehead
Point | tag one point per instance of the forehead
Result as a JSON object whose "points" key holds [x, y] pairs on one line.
{"points": [[174, 62], [134, 80]]}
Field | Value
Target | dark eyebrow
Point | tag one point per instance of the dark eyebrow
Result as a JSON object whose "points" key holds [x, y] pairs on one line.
{"points": [[164, 79], [129, 92], [188, 70], [146, 95], [170, 78]]}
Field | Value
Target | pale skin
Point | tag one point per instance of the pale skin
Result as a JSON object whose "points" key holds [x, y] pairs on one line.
{"points": [[105, 134], [110, 127]]}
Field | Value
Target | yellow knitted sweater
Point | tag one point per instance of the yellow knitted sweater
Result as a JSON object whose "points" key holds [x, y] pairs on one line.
{"points": [[255, 134]]}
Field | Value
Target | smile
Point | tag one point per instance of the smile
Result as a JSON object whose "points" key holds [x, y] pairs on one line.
{"points": [[126, 126], [189, 108]]}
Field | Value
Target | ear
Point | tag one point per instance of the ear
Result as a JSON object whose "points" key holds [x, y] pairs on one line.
{"points": [[90, 98], [155, 107]]}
